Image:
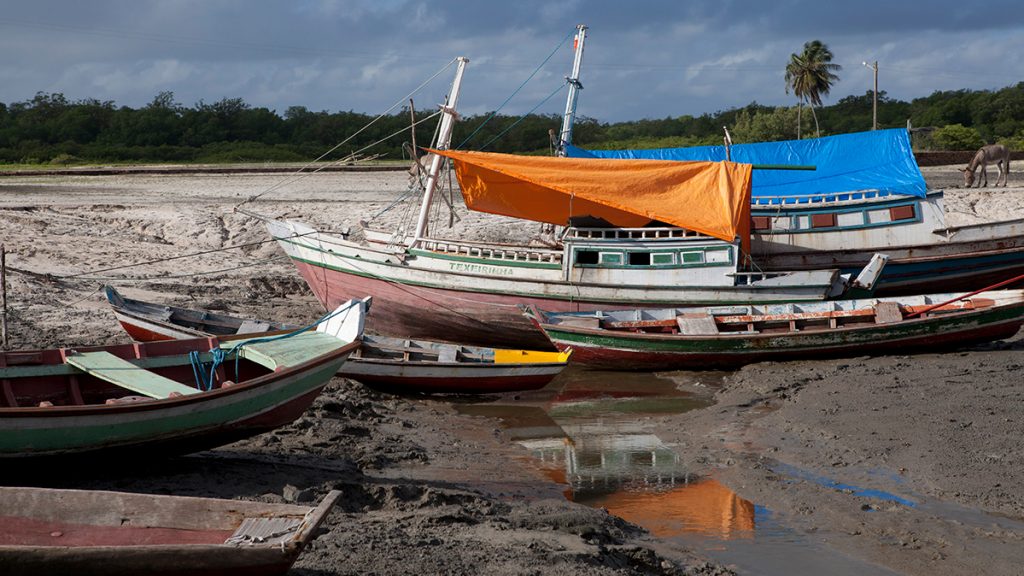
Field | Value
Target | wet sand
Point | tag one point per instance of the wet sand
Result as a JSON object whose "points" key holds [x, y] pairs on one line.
{"points": [[429, 489]]}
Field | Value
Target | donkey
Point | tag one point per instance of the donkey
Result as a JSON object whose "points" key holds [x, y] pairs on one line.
{"points": [[991, 154]]}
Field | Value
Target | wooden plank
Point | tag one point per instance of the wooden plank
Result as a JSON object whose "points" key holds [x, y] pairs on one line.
{"points": [[592, 322], [888, 313], [8, 392], [447, 354], [291, 351], [696, 324], [9, 399], [253, 326], [106, 366], [740, 319]]}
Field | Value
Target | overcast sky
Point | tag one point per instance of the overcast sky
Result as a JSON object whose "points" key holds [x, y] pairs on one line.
{"points": [[643, 59]]}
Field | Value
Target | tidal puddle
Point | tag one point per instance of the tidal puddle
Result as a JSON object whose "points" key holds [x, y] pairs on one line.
{"points": [[596, 433], [827, 482]]}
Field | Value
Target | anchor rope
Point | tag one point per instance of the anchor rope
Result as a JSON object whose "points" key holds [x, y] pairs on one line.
{"points": [[218, 355]]}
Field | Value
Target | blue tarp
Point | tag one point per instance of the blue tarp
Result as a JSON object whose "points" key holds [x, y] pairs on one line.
{"points": [[879, 161]]}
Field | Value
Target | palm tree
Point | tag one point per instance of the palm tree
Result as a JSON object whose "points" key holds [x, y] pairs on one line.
{"points": [[811, 75]]}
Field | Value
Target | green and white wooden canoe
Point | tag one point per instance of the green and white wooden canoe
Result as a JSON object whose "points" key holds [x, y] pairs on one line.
{"points": [[731, 336], [152, 399]]}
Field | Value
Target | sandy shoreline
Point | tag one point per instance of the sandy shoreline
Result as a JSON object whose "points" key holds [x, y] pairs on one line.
{"points": [[429, 491]]}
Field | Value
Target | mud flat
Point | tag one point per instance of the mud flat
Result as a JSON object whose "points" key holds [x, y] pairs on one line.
{"points": [[912, 464]]}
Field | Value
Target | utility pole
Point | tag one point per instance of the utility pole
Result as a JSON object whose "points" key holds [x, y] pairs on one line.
{"points": [[874, 101]]}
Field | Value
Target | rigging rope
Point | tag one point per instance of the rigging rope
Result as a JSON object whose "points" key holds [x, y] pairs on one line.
{"points": [[523, 117], [516, 91], [301, 174]]}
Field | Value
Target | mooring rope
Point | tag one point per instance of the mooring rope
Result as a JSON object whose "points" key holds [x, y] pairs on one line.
{"points": [[179, 257], [218, 355]]}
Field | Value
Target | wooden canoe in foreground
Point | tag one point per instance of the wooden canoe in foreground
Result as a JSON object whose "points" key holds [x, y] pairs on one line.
{"points": [[395, 364], [731, 336], [90, 532], [151, 399]]}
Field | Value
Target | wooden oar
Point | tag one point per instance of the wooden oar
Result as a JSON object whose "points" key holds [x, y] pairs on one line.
{"points": [[992, 287]]}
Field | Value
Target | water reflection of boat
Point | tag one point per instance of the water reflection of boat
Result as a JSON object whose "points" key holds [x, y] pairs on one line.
{"points": [[605, 463], [590, 433], [705, 507]]}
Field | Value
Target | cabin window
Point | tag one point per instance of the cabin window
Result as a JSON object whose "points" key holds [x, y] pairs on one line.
{"points": [[639, 258], [848, 219], [823, 220], [761, 223], [719, 256], [879, 216], [611, 258], [902, 212], [586, 257], [781, 223], [663, 259], [692, 257]]}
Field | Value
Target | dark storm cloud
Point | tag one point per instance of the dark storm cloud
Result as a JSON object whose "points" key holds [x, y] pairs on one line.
{"points": [[643, 58]]}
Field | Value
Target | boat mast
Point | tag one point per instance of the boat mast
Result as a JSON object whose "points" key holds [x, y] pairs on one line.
{"points": [[565, 137], [444, 139]]}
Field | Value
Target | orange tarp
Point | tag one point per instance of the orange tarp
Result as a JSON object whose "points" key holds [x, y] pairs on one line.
{"points": [[705, 507], [712, 198]]}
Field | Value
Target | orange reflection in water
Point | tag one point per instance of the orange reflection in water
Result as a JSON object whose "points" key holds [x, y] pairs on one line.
{"points": [[706, 507]]}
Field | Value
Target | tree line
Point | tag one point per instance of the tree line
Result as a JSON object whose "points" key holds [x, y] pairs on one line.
{"points": [[50, 128]]}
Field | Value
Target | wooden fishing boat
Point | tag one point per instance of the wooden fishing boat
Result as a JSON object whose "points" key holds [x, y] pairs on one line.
{"points": [[730, 336], [167, 397], [867, 195], [92, 532], [394, 364], [466, 291]]}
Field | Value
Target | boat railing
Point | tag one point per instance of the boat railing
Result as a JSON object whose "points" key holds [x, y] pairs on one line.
{"points": [[747, 278], [831, 198], [660, 233], [490, 252]]}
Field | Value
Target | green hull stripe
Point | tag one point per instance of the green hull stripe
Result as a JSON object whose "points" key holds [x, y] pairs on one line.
{"points": [[106, 432], [741, 344]]}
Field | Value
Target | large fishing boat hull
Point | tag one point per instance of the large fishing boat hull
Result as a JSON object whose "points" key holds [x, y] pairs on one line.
{"points": [[423, 294], [924, 254], [634, 349]]}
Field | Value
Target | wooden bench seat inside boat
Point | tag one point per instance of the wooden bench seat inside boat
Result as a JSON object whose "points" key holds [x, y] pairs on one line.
{"points": [[106, 366], [278, 353], [881, 313], [698, 323]]}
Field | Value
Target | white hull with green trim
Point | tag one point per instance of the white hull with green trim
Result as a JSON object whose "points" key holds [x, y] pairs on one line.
{"points": [[467, 292]]}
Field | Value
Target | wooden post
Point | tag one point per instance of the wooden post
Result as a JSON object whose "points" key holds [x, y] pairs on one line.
{"points": [[3, 295]]}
